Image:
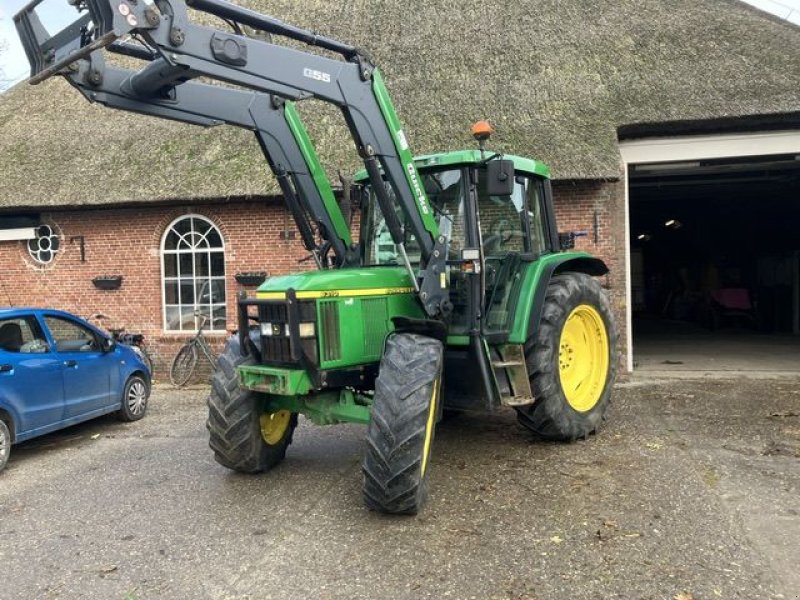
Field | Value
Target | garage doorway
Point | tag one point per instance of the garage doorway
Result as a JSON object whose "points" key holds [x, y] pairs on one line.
{"points": [[714, 253]]}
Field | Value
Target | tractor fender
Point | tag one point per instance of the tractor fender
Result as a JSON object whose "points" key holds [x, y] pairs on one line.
{"points": [[572, 264]]}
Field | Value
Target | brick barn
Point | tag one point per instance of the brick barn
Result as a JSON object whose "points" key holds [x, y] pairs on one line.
{"points": [[672, 130]]}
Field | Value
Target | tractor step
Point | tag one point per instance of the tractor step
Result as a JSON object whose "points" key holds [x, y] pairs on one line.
{"points": [[516, 369], [503, 364]]}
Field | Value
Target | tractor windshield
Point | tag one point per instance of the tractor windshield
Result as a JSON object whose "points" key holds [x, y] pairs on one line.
{"points": [[445, 191]]}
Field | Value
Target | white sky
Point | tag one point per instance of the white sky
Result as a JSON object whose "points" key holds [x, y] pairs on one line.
{"points": [[15, 66]]}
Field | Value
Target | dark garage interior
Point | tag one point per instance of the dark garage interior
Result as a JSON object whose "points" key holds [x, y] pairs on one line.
{"points": [[715, 264]]}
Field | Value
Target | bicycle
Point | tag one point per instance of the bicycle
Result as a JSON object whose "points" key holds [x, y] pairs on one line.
{"points": [[134, 340], [185, 361]]}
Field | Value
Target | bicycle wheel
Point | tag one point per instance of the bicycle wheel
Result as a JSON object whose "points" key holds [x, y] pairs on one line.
{"points": [[183, 365]]}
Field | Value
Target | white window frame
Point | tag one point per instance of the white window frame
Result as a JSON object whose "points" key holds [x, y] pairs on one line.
{"points": [[163, 280], [691, 148]]}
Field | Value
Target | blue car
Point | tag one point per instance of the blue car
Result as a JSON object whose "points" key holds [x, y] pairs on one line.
{"points": [[57, 370]]}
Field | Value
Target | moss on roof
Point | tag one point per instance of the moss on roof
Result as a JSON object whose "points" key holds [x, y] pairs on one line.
{"points": [[557, 77]]}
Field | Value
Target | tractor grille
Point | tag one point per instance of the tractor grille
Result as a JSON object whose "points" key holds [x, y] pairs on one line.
{"points": [[276, 349], [375, 317], [331, 338]]}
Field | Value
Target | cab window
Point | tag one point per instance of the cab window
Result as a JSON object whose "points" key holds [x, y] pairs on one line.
{"points": [[538, 223], [504, 225]]}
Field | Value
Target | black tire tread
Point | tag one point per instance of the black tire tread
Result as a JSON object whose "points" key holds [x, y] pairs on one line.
{"points": [[393, 483], [233, 419], [7, 433], [551, 417], [124, 413]]}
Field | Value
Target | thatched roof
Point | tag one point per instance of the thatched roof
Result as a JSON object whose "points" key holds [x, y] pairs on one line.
{"points": [[558, 78]]}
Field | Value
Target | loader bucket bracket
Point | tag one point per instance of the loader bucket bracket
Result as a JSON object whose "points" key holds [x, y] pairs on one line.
{"points": [[96, 26]]}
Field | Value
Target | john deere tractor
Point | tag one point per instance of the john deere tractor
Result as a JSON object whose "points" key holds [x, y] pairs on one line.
{"points": [[459, 293]]}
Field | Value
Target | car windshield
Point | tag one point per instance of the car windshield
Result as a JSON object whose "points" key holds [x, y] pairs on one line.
{"points": [[445, 190]]}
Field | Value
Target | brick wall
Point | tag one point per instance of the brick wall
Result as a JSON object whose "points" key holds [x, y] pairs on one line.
{"points": [[576, 204], [127, 242]]}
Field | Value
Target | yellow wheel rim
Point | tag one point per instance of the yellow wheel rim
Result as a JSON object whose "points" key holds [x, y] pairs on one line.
{"points": [[426, 449], [274, 426], [583, 358]]}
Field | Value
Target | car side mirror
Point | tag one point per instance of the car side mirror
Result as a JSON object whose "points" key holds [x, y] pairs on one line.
{"points": [[108, 345], [500, 177]]}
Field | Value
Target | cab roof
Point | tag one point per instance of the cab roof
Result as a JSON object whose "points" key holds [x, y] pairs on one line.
{"points": [[466, 157]]}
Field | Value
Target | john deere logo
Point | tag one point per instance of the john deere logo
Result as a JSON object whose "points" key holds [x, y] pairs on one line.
{"points": [[276, 330]]}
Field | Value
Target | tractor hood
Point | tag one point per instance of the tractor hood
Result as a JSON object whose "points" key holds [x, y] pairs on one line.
{"points": [[374, 281]]}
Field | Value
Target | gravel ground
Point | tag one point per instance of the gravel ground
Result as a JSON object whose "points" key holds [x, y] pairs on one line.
{"points": [[691, 489]]}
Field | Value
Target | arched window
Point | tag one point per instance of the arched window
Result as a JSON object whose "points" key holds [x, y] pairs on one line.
{"points": [[193, 275]]}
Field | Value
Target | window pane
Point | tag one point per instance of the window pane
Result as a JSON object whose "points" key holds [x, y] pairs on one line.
{"points": [[170, 265], [171, 292], [183, 226], [201, 265], [217, 264], [538, 229], [217, 291], [220, 317], [187, 319], [71, 336], [171, 243], [203, 292], [201, 226], [501, 220], [187, 292], [173, 318], [187, 268], [22, 336], [214, 239]]}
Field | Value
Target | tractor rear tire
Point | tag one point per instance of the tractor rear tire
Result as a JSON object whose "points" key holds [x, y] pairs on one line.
{"points": [[242, 435], [401, 428], [572, 360]]}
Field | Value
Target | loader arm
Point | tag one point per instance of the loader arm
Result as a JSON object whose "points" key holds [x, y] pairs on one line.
{"points": [[277, 126], [186, 51]]}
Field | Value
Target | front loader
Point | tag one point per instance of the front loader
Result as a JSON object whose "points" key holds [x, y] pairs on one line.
{"points": [[459, 294]]}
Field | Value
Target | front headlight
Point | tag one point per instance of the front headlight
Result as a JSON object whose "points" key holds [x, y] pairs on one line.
{"points": [[308, 330], [274, 330]]}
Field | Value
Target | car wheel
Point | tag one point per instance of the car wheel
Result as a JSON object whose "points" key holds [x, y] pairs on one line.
{"points": [[134, 399], [5, 444]]}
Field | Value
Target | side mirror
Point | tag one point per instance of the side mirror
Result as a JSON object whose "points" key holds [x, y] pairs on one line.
{"points": [[500, 177], [108, 345]]}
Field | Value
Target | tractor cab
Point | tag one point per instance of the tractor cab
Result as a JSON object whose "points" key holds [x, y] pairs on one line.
{"points": [[513, 230]]}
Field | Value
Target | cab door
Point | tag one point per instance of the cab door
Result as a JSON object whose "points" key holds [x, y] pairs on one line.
{"points": [[88, 370], [505, 225], [30, 377]]}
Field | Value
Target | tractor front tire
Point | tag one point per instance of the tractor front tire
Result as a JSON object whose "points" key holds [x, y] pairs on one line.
{"points": [[572, 360], [401, 428], [244, 437]]}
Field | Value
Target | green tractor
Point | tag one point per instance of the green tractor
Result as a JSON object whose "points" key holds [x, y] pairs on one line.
{"points": [[529, 327], [458, 295]]}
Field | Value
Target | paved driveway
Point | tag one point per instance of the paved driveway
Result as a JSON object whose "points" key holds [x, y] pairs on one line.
{"points": [[692, 488]]}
